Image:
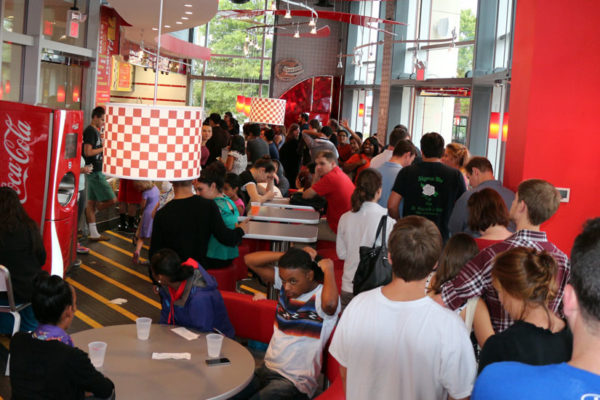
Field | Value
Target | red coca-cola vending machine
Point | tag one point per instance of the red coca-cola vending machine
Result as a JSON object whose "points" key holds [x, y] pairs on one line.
{"points": [[40, 159]]}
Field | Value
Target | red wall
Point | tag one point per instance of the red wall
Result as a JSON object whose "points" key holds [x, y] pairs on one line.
{"points": [[555, 107]]}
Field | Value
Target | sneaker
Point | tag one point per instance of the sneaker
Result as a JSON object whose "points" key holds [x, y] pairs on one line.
{"points": [[136, 258], [82, 249], [123, 227], [100, 238]]}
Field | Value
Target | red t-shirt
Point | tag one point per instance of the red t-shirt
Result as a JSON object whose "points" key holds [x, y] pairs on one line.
{"points": [[337, 188], [344, 151], [356, 158], [483, 243]]}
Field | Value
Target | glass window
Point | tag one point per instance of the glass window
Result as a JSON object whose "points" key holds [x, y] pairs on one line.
{"points": [[12, 65], [61, 85], [503, 34], [437, 112], [220, 96], [14, 16], [54, 22]]}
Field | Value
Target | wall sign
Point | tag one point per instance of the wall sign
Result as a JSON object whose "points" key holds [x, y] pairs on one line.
{"points": [[288, 69]]}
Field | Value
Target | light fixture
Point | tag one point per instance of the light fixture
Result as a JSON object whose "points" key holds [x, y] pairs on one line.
{"points": [[297, 33], [149, 144], [185, 18], [312, 22], [247, 105], [167, 26], [187, 5], [288, 14], [494, 125], [60, 94], [154, 29], [189, 12], [361, 109], [240, 102], [267, 111], [340, 65], [313, 31], [179, 22]]}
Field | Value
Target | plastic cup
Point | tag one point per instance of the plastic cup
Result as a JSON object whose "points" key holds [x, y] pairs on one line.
{"points": [[97, 350], [214, 342], [143, 325]]}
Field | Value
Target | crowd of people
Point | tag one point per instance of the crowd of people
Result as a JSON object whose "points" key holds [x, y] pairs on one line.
{"points": [[467, 255]]}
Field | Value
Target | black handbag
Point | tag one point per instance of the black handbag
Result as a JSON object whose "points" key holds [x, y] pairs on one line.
{"points": [[374, 269]]}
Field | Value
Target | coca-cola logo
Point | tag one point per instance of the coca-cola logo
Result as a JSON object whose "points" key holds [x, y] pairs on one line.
{"points": [[16, 144]]}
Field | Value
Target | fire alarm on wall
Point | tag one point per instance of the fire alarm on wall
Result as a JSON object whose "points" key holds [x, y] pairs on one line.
{"points": [[565, 194]]}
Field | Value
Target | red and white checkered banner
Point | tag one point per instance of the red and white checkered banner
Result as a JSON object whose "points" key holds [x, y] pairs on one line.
{"points": [[267, 111], [157, 143]]}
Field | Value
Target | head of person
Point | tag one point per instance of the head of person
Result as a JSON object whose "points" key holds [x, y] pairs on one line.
{"points": [[334, 125], [432, 145], [179, 185], [304, 179], [370, 147], [214, 119], [206, 132], [535, 202], [315, 124], [302, 118], [414, 247], [582, 294], [254, 130], [211, 181], [232, 185], [479, 170], [269, 135], [298, 273], [326, 130], [228, 116], [404, 129], [456, 155], [524, 279], [238, 144], [355, 144], [98, 114], [342, 136], [53, 300], [142, 186], [325, 161], [263, 170], [397, 135], [293, 132], [167, 268], [486, 209], [13, 214], [368, 188], [459, 250], [405, 152]]}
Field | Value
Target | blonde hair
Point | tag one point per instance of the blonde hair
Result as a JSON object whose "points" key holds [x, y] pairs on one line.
{"points": [[142, 186], [459, 154]]}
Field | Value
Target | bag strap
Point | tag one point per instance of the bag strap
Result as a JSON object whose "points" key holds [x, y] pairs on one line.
{"points": [[380, 227]]}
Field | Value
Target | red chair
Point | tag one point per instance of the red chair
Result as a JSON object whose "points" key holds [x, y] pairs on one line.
{"points": [[331, 369], [251, 319], [226, 277], [334, 392], [325, 244]]}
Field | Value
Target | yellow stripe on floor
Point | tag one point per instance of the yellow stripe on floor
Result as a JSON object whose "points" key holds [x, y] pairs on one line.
{"points": [[120, 266], [85, 318], [252, 290], [121, 286], [120, 250], [102, 299], [115, 234]]}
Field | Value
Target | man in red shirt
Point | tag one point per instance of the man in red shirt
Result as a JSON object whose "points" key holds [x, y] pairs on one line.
{"points": [[333, 184]]}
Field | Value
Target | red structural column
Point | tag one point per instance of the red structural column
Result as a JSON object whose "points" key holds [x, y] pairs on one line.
{"points": [[555, 107]]}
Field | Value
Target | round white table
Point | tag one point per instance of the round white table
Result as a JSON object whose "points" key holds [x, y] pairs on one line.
{"points": [[129, 364], [275, 214]]}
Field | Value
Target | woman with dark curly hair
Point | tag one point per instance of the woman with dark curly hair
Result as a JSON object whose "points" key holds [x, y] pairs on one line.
{"points": [[361, 160], [22, 252]]}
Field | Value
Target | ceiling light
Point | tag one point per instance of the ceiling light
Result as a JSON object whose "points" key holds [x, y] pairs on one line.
{"points": [[154, 29], [179, 22], [288, 14], [187, 5], [189, 12], [313, 31], [340, 65], [297, 34], [185, 18], [167, 26], [312, 22]]}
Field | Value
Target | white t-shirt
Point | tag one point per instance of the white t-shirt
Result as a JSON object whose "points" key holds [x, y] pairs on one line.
{"points": [[301, 330], [403, 350], [381, 158], [357, 229]]}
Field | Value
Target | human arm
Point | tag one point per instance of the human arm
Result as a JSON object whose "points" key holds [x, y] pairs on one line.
{"points": [[229, 162], [85, 376], [393, 204], [262, 263], [255, 196], [228, 237], [88, 151], [345, 125], [309, 140], [472, 280], [343, 371], [353, 163], [329, 295], [482, 323]]}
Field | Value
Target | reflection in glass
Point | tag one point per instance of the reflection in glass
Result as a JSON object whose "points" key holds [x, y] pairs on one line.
{"points": [[14, 16], [12, 63], [54, 22], [61, 85]]}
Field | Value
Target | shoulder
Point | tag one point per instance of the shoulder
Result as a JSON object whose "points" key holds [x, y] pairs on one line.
{"points": [[520, 376]]}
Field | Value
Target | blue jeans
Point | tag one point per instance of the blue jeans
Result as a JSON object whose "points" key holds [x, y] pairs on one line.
{"points": [[269, 385]]}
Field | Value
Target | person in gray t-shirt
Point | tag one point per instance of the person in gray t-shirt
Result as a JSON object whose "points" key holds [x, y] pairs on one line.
{"points": [[256, 148]]}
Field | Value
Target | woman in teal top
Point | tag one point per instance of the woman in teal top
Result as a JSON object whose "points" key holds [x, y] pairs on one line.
{"points": [[210, 186]]}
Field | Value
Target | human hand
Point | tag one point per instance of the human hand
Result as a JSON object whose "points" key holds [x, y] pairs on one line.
{"points": [[326, 265], [311, 252], [270, 194], [344, 123], [245, 225], [259, 296], [87, 169]]}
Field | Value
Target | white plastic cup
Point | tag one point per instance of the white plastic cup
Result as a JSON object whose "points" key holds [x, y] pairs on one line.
{"points": [[214, 342], [143, 325], [97, 350]]}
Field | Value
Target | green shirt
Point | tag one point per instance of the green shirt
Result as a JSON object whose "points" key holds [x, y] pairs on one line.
{"points": [[230, 214]]}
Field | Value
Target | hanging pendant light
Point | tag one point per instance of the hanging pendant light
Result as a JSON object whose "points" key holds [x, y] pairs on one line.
{"points": [[240, 102], [297, 33], [312, 22]]}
